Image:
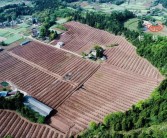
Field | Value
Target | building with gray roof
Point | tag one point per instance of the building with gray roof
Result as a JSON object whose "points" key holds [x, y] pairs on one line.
{"points": [[37, 106]]}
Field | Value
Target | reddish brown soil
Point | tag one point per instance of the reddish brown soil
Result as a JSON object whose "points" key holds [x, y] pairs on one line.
{"points": [[115, 85], [14, 125], [110, 89], [79, 37], [56, 61]]}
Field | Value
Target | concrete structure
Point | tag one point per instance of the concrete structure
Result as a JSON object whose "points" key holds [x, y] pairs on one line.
{"points": [[37, 106]]}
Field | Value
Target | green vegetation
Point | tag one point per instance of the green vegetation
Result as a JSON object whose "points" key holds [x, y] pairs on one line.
{"points": [[48, 18], [61, 21], [61, 27], [132, 24], [4, 84], [53, 35], [163, 2], [99, 51], [11, 35], [117, 2], [155, 50], [12, 38], [96, 53], [8, 136], [16, 103], [12, 11], [40, 5]]}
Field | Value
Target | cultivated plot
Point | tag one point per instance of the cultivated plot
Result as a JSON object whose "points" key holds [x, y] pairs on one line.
{"points": [[14, 125], [80, 90]]}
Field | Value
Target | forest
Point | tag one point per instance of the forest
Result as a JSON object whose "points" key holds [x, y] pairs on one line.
{"points": [[12, 11], [163, 2], [118, 2]]}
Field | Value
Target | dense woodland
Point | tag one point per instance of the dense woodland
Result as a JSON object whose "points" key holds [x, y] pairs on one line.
{"points": [[16, 103], [40, 5], [100, 1], [163, 2], [12, 11]]}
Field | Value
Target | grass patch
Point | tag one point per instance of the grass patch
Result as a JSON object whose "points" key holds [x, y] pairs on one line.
{"points": [[132, 24], [61, 20], [61, 27], [3, 33], [12, 39]]}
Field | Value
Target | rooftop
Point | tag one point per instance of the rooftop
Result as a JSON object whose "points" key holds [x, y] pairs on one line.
{"points": [[37, 106], [3, 93]]}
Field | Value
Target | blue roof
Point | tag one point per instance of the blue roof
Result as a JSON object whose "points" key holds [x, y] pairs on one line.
{"points": [[3, 93], [37, 106], [25, 42]]}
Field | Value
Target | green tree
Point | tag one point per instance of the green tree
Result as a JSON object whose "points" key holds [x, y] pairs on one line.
{"points": [[99, 51], [53, 35], [41, 119], [43, 31]]}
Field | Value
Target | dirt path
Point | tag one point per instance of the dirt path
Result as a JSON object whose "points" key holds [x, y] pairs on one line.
{"points": [[73, 53]]}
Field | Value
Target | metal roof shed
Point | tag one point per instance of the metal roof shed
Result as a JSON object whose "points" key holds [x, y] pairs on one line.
{"points": [[37, 106], [3, 93]]}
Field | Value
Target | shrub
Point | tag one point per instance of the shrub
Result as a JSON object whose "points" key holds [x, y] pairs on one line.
{"points": [[8, 136], [92, 125], [41, 119]]}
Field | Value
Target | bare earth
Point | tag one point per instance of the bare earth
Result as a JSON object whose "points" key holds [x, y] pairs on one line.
{"points": [[93, 90], [13, 124]]}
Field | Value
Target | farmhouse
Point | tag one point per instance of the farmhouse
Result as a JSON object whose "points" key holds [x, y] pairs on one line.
{"points": [[59, 44], [37, 106]]}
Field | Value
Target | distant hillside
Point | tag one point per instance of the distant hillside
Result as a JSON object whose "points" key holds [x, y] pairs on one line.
{"points": [[163, 2], [117, 2]]}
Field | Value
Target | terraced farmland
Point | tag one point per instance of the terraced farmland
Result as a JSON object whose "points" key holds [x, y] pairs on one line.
{"points": [[80, 37], [124, 56], [80, 90], [14, 125], [57, 61], [110, 89], [37, 83]]}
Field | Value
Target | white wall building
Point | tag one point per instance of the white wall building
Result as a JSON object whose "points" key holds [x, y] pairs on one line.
{"points": [[59, 44]]}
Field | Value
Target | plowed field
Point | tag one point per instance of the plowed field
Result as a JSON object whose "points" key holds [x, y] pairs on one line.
{"points": [[80, 90]]}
